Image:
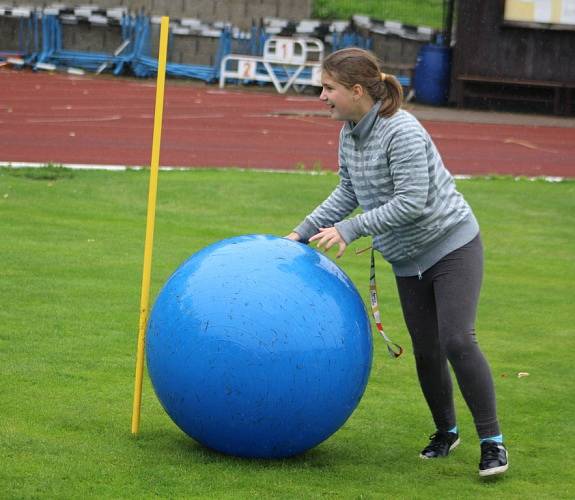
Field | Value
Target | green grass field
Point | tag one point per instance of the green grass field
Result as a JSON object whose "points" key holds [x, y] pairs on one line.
{"points": [[414, 12], [71, 250]]}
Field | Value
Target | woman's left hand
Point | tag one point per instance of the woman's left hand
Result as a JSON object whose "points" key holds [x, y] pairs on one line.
{"points": [[327, 237]]}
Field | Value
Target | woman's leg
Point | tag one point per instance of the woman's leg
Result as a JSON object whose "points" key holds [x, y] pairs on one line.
{"points": [[457, 283], [419, 311]]}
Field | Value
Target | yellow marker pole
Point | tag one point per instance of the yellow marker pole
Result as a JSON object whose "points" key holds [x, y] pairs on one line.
{"points": [[146, 277]]}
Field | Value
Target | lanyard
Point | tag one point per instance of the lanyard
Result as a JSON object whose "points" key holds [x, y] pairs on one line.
{"points": [[395, 350]]}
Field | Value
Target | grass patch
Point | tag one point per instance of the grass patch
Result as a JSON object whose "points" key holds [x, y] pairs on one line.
{"points": [[70, 278], [48, 173]]}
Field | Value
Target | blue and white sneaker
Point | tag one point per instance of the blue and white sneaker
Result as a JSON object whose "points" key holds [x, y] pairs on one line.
{"points": [[441, 444], [494, 459]]}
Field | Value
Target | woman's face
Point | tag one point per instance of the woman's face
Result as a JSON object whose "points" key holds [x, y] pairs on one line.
{"points": [[342, 101]]}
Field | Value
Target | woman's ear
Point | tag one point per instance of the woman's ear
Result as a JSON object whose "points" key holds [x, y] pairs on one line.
{"points": [[357, 91]]}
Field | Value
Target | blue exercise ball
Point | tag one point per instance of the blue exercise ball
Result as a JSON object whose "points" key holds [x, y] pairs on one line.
{"points": [[258, 346]]}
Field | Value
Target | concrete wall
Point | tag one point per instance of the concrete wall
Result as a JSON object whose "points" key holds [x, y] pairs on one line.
{"points": [[240, 13], [193, 49], [9, 34], [394, 49], [87, 38]]}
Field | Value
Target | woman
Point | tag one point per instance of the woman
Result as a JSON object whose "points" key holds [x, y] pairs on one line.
{"points": [[421, 224]]}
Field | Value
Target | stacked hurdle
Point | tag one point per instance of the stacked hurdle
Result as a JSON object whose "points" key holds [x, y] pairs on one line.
{"points": [[277, 51], [286, 63], [144, 65], [53, 55], [24, 28], [41, 44]]}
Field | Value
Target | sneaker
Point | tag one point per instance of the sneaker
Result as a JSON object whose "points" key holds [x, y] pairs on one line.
{"points": [[494, 459], [441, 444]]}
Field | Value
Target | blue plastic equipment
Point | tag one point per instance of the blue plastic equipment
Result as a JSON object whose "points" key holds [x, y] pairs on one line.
{"points": [[258, 346]]}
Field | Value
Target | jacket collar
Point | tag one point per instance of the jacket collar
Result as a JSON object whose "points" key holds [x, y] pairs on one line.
{"points": [[360, 130]]}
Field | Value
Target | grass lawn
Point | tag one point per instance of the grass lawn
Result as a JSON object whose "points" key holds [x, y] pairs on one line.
{"points": [[71, 251]]}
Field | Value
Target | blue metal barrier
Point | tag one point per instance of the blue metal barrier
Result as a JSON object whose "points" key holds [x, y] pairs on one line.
{"points": [[53, 53], [40, 42], [143, 65]]}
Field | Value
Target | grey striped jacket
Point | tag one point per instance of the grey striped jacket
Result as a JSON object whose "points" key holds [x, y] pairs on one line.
{"points": [[391, 168]]}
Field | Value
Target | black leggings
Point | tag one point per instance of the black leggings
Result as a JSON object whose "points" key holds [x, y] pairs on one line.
{"points": [[439, 311]]}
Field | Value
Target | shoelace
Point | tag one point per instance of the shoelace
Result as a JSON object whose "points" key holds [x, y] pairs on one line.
{"points": [[490, 451], [438, 440]]}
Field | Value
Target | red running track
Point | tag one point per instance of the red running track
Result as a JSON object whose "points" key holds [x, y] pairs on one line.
{"points": [[108, 121]]}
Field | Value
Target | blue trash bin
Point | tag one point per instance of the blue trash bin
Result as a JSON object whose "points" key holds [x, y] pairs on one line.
{"points": [[432, 74]]}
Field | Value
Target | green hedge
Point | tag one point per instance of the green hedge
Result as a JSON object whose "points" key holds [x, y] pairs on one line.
{"points": [[415, 12]]}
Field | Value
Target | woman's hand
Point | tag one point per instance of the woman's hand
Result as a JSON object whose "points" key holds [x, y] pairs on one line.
{"points": [[327, 237]]}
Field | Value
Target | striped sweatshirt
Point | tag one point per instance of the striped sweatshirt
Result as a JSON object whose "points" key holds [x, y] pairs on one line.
{"points": [[391, 168]]}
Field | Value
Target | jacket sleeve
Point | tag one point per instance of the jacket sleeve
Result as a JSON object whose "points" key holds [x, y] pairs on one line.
{"points": [[407, 159], [338, 205]]}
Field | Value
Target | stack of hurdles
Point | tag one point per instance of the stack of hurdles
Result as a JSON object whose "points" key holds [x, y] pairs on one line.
{"points": [[36, 39]]}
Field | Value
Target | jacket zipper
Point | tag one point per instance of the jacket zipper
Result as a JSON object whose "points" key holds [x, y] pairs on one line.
{"points": [[406, 253]]}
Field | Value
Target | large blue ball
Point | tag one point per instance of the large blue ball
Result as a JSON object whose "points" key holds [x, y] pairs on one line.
{"points": [[259, 346]]}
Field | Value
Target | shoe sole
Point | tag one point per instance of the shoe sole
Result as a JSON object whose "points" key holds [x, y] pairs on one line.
{"points": [[452, 447], [494, 471]]}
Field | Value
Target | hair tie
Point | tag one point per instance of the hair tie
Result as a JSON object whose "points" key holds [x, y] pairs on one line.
{"points": [[383, 76]]}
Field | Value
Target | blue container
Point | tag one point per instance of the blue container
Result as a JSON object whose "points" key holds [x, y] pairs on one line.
{"points": [[259, 346], [432, 74]]}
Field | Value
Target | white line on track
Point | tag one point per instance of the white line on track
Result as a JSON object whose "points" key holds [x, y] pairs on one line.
{"points": [[121, 168]]}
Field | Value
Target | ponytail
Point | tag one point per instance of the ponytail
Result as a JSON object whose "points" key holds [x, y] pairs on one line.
{"points": [[392, 96]]}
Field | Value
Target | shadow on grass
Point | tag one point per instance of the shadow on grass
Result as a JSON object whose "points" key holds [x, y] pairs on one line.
{"points": [[171, 443]]}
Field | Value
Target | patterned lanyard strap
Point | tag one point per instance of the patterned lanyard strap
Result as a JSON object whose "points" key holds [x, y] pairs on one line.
{"points": [[395, 350]]}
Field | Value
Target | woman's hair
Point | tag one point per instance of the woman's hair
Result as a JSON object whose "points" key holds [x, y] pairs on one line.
{"points": [[357, 66]]}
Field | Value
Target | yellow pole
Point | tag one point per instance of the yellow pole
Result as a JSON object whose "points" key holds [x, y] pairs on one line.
{"points": [[154, 167]]}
